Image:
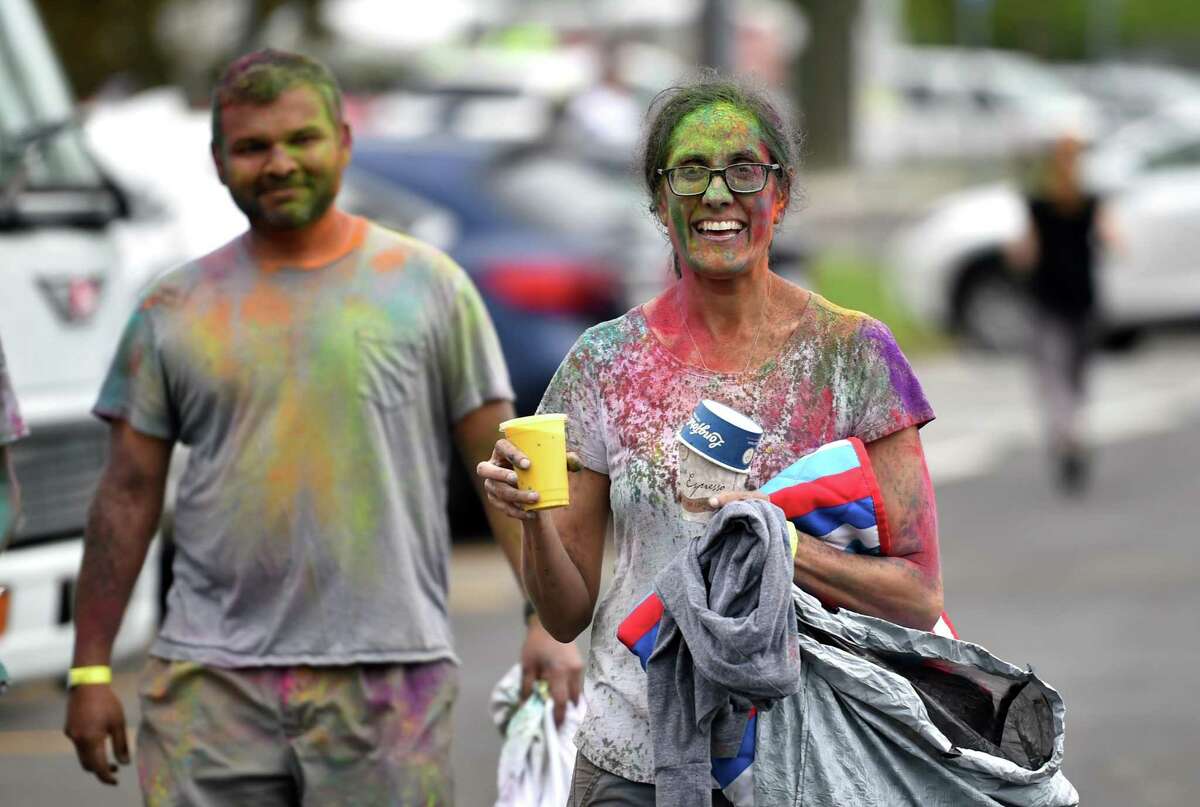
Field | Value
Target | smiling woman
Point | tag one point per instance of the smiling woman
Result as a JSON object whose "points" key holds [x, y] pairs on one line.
{"points": [[720, 166]]}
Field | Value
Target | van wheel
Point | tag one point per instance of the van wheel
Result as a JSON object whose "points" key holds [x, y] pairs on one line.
{"points": [[990, 310]]}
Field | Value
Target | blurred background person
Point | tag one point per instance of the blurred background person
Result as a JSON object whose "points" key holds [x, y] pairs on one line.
{"points": [[606, 117], [1057, 254]]}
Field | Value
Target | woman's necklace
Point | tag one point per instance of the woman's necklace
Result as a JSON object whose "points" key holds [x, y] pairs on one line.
{"points": [[762, 314]]}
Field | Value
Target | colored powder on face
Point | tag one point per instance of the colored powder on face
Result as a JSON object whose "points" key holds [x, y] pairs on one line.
{"points": [[714, 130], [718, 135]]}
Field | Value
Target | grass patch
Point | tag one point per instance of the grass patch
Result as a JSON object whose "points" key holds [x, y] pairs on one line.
{"points": [[855, 282]]}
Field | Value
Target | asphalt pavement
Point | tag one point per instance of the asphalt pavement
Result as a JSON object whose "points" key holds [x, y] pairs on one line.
{"points": [[1098, 593]]}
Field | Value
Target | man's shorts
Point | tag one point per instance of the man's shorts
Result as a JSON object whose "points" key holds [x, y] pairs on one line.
{"points": [[374, 734]]}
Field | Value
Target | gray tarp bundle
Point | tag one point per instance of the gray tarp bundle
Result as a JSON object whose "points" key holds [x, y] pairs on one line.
{"points": [[888, 716]]}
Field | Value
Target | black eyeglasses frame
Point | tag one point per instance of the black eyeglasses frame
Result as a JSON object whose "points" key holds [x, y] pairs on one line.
{"points": [[667, 172]]}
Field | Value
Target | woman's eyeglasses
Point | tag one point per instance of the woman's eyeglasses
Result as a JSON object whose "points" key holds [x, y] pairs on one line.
{"points": [[693, 180]]}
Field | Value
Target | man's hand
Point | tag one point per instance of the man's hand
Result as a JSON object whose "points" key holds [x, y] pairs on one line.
{"points": [[558, 664], [94, 714]]}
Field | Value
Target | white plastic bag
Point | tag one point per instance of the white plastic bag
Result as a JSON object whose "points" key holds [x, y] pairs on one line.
{"points": [[537, 757]]}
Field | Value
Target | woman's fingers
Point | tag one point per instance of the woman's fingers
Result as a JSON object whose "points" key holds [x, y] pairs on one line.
{"points": [[490, 471], [500, 480], [507, 453], [722, 499], [509, 499]]}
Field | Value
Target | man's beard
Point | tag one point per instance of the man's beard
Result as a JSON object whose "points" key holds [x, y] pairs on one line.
{"points": [[261, 217]]}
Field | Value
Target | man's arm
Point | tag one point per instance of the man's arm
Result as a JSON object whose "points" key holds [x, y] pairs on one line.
{"points": [[121, 523], [475, 435], [542, 656]]}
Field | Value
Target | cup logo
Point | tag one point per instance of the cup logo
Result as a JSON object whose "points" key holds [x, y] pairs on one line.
{"points": [[705, 432], [717, 445]]}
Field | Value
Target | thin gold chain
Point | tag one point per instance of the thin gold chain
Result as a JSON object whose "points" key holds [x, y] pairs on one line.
{"points": [[762, 314]]}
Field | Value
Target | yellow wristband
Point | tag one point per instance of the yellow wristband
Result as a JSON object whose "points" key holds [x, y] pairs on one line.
{"points": [[89, 675]]}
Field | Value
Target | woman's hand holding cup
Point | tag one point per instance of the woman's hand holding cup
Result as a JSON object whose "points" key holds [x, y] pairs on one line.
{"points": [[500, 481], [519, 484]]}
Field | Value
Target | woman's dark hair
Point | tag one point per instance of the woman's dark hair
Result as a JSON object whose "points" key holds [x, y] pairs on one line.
{"points": [[709, 87]]}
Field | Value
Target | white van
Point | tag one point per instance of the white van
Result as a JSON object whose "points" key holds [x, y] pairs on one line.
{"points": [[73, 255]]}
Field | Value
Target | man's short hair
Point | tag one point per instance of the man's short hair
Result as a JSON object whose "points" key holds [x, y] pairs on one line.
{"points": [[262, 76]]}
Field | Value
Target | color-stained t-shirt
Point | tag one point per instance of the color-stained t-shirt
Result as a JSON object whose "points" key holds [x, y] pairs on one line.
{"points": [[839, 374], [318, 404], [12, 427]]}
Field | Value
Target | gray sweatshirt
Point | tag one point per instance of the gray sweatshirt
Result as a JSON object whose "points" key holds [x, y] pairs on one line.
{"points": [[727, 640]]}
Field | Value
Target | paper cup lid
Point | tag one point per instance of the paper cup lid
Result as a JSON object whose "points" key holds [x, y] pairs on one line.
{"points": [[722, 435]]}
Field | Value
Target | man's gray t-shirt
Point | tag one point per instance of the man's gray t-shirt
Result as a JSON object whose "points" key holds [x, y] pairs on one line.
{"points": [[625, 395], [318, 403]]}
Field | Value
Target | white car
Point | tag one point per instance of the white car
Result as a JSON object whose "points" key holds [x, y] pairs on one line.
{"points": [[1125, 92], [73, 253], [950, 268], [938, 103]]}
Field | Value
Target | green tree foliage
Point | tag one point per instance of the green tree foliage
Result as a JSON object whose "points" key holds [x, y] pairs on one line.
{"points": [[102, 40], [98, 40], [1066, 29]]}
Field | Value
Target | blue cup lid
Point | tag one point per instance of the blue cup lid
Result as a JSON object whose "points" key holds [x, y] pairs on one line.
{"points": [[721, 435]]}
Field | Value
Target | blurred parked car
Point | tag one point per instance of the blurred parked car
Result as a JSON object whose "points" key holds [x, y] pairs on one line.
{"points": [[553, 244], [938, 103], [1126, 92], [950, 267]]}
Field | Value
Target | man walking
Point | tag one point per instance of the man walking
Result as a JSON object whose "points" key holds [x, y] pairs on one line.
{"points": [[321, 369]]}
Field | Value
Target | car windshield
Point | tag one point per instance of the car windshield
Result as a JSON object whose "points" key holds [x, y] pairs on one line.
{"points": [[40, 144]]}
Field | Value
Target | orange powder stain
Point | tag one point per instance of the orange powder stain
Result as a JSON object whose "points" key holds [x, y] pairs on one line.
{"points": [[390, 260], [165, 296], [301, 459], [211, 329], [319, 256], [266, 305]]}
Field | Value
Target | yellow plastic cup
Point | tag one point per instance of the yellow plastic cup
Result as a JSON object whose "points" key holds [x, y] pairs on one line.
{"points": [[542, 438]]}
